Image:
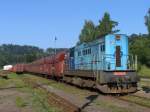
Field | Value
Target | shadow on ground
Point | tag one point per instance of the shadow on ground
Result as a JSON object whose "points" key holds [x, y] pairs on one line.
{"points": [[146, 89], [90, 99]]}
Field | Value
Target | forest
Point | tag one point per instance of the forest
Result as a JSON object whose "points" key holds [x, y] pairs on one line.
{"points": [[12, 54]]}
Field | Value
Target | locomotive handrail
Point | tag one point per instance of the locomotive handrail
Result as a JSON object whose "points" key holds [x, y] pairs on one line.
{"points": [[104, 64]]}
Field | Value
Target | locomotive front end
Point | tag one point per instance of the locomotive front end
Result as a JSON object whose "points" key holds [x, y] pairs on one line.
{"points": [[119, 68]]}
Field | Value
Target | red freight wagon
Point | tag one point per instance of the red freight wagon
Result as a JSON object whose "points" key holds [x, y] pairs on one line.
{"points": [[59, 64], [52, 66], [19, 68]]}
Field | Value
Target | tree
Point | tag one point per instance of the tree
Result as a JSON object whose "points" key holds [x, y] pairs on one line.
{"points": [[30, 57], [106, 26], [139, 45], [88, 32], [50, 51], [12, 54], [147, 21]]}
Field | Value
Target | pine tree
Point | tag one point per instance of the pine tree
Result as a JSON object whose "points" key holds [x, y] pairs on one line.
{"points": [[88, 32], [106, 26]]}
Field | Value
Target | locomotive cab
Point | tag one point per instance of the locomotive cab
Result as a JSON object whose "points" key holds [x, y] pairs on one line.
{"points": [[116, 56]]}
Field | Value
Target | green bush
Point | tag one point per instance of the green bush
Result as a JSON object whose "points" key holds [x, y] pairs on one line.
{"points": [[144, 71]]}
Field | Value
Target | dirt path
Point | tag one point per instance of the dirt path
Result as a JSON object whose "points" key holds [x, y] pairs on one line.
{"points": [[8, 101], [16, 96], [142, 94]]}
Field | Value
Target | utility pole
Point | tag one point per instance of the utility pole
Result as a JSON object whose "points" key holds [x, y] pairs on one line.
{"points": [[55, 44]]}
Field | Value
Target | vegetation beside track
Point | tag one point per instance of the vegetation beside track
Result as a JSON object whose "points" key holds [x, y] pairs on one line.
{"points": [[145, 83], [110, 105], [51, 97], [61, 86], [35, 99], [144, 72], [137, 100]]}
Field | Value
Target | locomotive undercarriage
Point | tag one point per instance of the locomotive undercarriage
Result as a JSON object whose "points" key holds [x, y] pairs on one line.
{"points": [[105, 82]]}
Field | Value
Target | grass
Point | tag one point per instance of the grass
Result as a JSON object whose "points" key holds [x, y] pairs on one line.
{"points": [[13, 80], [40, 98], [37, 100], [60, 86], [111, 106], [144, 83], [20, 102], [144, 72], [70, 89], [141, 101], [34, 98]]}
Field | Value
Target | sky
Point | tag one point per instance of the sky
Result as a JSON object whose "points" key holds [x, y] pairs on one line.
{"points": [[37, 22]]}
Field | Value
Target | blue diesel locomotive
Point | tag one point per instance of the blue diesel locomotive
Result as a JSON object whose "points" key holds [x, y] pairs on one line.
{"points": [[104, 64]]}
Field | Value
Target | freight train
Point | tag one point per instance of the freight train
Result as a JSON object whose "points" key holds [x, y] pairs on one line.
{"points": [[104, 64]]}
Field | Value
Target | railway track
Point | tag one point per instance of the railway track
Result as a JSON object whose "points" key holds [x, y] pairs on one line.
{"points": [[145, 79], [131, 98], [139, 96], [145, 85], [142, 97], [53, 99], [135, 99]]}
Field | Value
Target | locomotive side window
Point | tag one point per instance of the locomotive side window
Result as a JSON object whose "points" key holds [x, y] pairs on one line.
{"points": [[83, 52], [86, 51], [102, 48], [79, 53], [89, 51]]}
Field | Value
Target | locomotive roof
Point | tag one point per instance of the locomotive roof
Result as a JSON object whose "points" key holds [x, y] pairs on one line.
{"points": [[99, 39]]}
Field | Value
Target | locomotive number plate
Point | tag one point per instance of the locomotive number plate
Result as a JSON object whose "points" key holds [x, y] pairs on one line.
{"points": [[120, 73]]}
